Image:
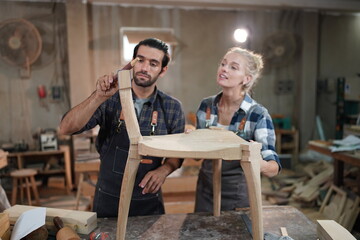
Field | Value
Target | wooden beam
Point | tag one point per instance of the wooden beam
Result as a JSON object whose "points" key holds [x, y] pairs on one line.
{"points": [[337, 5]]}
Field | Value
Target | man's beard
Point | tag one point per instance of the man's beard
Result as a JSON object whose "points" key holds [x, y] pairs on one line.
{"points": [[147, 83]]}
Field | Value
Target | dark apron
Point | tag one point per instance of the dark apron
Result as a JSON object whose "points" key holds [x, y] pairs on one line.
{"points": [[108, 187], [233, 187], [234, 193]]}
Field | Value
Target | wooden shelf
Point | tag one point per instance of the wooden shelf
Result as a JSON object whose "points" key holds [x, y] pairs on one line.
{"points": [[287, 142]]}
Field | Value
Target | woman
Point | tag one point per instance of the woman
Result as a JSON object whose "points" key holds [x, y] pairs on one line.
{"points": [[235, 110]]}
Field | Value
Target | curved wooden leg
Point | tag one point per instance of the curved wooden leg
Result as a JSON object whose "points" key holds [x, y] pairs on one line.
{"points": [[250, 163], [127, 187], [217, 186]]}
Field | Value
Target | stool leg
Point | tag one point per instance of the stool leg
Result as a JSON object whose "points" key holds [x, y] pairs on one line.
{"points": [[35, 191], [14, 191], [28, 193], [21, 190]]}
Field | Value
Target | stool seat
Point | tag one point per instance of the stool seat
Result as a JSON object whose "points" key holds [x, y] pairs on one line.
{"points": [[20, 177], [21, 173]]}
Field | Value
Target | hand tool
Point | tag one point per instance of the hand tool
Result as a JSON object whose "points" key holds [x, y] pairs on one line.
{"points": [[128, 66], [64, 232]]}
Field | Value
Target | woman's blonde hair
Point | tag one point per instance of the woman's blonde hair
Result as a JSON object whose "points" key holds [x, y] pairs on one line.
{"points": [[253, 67]]}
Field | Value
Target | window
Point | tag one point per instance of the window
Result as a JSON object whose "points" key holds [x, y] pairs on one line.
{"points": [[130, 36]]}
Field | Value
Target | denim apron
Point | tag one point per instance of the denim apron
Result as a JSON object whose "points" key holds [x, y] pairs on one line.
{"points": [[234, 193], [108, 187]]}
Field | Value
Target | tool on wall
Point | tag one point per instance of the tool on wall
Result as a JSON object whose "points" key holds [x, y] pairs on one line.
{"points": [[41, 91]]}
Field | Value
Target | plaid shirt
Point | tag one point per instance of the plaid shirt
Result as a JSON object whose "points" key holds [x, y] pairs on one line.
{"points": [[258, 126], [171, 118]]}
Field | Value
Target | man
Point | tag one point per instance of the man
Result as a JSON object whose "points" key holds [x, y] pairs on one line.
{"points": [[103, 108]]}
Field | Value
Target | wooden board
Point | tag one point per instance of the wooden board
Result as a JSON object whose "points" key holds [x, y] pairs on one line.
{"points": [[179, 184], [334, 203], [4, 224], [331, 230], [80, 221], [350, 213]]}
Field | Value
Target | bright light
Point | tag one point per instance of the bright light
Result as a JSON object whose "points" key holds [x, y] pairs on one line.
{"points": [[128, 49], [241, 35]]}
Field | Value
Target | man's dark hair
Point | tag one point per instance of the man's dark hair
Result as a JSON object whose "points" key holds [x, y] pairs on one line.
{"points": [[155, 43]]}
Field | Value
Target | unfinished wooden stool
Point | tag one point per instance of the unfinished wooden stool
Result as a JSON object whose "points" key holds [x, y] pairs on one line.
{"points": [[24, 178], [217, 145]]}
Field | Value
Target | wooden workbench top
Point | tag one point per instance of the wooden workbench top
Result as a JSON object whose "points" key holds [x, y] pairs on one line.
{"points": [[229, 225]]}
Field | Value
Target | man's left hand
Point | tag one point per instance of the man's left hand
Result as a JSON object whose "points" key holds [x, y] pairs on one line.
{"points": [[153, 180]]}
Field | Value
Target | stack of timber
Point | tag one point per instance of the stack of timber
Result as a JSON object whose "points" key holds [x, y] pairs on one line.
{"points": [[320, 177], [312, 186], [305, 186]]}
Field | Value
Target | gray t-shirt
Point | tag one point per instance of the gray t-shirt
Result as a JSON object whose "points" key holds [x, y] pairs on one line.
{"points": [[139, 103]]}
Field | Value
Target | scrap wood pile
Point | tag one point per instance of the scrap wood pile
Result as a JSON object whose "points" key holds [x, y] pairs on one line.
{"points": [[312, 186], [306, 186]]}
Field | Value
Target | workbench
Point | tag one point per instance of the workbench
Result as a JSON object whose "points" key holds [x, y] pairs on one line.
{"points": [[229, 225], [46, 156], [340, 158]]}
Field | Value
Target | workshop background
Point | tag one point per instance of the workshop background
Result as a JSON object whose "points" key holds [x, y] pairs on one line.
{"points": [[310, 84], [81, 41]]}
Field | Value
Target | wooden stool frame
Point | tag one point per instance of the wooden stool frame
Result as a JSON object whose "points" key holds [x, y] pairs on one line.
{"points": [[202, 143], [25, 177]]}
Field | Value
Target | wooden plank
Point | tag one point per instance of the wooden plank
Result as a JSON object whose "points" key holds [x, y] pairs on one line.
{"points": [[4, 224], [179, 184], [350, 213], [80, 221], [87, 166], [331, 230], [332, 207], [179, 207]]}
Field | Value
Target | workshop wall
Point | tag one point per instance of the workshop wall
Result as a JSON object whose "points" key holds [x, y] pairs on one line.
{"points": [[203, 36], [339, 58], [22, 111]]}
